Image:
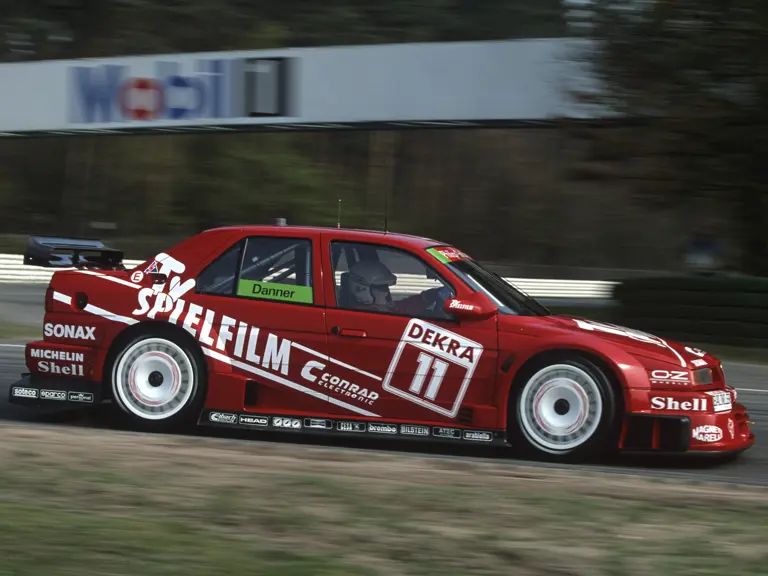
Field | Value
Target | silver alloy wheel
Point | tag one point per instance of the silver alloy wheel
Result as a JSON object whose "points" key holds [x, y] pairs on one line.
{"points": [[560, 408], [154, 379]]}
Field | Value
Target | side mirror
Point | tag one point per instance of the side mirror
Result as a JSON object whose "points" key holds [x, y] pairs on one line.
{"points": [[466, 309]]}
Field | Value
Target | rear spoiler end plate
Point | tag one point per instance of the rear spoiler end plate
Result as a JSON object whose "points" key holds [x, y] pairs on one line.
{"points": [[58, 252]]}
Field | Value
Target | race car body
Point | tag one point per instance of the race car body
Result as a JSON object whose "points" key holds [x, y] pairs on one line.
{"points": [[335, 331]]}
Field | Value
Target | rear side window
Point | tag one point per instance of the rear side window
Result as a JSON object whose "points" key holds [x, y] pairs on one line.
{"points": [[220, 275], [277, 269]]}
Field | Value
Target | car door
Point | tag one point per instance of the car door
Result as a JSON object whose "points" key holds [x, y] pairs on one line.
{"points": [[425, 366], [268, 291]]}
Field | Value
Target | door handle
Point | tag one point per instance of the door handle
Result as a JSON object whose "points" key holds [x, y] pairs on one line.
{"points": [[349, 332]]}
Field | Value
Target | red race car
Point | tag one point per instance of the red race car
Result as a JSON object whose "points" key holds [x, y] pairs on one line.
{"points": [[335, 331]]}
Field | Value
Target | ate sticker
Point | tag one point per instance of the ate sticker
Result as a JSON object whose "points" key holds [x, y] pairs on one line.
{"points": [[447, 254]]}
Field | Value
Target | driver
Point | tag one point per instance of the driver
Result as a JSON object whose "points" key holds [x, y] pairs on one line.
{"points": [[370, 283]]}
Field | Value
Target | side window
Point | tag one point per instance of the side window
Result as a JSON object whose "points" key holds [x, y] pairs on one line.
{"points": [[278, 269], [382, 279], [219, 276]]}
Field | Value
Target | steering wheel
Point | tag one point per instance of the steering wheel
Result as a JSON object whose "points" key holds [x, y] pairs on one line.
{"points": [[436, 296]]}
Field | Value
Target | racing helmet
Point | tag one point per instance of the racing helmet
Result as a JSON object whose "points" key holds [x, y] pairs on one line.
{"points": [[369, 282]]}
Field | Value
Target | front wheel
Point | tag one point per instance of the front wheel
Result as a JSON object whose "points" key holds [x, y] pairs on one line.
{"points": [[564, 411], [158, 383]]}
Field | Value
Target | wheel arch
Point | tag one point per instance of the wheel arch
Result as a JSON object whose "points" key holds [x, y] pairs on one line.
{"points": [[609, 368], [155, 328]]}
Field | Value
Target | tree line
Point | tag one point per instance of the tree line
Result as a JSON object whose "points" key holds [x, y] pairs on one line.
{"points": [[692, 72]]}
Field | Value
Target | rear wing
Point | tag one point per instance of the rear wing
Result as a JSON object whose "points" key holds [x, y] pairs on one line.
{"points": [[54, 252]]}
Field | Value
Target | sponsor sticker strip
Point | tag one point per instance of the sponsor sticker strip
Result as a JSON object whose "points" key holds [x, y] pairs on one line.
{"points": [[318, 424], [53, 395]]}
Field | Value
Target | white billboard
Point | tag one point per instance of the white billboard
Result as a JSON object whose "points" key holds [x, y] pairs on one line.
{"points": [[433, 84]]}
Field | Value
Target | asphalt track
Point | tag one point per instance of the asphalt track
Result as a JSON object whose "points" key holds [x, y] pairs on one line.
{"points": [[750, 468], [22, 304]]}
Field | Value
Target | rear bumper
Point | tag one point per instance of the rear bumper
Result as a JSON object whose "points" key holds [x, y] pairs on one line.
{"points": [[34, 390]]}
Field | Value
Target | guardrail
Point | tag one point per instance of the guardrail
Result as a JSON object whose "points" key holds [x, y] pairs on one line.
{"points": [[13, 271]]}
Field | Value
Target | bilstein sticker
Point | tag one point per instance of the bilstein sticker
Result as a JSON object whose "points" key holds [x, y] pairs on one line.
{"points": [[274, 291]]}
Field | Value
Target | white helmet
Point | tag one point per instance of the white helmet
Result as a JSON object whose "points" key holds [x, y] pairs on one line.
{"points": [[368, 277]]}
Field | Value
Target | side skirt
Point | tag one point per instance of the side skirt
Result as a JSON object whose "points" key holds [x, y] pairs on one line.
{"points": [[333, 427]]}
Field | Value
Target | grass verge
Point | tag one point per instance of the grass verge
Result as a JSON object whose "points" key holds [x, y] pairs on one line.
{"points": [[10, 331], [73, 502]]}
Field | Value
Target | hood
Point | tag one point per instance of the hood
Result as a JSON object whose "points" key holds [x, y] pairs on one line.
{"points": [[633, 341]]}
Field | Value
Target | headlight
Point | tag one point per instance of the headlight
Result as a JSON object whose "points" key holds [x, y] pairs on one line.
{"points": [[702, 376]]}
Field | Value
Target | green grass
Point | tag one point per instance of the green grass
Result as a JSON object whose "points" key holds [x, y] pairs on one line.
{"points": [[75, 503], [10, 331]]}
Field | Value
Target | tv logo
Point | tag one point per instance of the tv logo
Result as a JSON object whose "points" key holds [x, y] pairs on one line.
{"points": [[181, 90]]}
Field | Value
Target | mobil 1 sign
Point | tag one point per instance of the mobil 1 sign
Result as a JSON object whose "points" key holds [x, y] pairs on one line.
{"points": [[181, 89]]}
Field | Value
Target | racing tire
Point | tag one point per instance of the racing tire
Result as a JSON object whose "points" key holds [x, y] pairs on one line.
{"points": [[564, 409], [159, 382]]}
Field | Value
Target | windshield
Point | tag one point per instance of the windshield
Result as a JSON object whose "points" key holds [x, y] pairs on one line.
{"points": [[508, 298]]}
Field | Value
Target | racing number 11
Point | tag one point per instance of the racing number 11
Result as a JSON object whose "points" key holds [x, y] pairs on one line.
{"points": [[426, 362], [444, 361]]}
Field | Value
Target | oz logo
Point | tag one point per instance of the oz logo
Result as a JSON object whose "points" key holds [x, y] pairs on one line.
{"points": [[432, 367]]}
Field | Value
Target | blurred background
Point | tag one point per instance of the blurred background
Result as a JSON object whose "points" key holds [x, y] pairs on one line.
{"points": [[680, 184]]}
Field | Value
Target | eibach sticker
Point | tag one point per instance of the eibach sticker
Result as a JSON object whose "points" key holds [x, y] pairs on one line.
{"points": [[447, 254]]}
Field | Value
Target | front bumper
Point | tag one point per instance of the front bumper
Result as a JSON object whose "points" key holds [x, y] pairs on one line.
{"points": [[34, 390], [689, 422]]}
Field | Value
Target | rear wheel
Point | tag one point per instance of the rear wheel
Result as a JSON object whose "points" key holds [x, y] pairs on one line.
{"points": [[158, 382], [564, 410]]}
